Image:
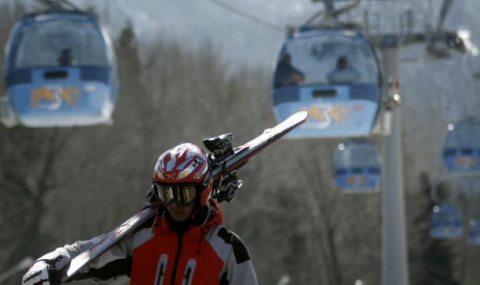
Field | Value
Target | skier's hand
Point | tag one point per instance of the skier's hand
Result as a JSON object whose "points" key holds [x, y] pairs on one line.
{"points": [[151, 199], [47, 270], [228, 187], [42, 273]]}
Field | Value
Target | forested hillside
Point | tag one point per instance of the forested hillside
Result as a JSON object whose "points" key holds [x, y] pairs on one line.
{"points": [[59, 185]]}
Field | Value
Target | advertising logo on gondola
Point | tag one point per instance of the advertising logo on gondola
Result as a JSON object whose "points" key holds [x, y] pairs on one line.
{"points": [[358, 180], [466, 161], [54, 96], [325, 115]]}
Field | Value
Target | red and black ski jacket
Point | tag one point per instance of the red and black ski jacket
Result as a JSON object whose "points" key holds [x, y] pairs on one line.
{"points": [[205, 253]]}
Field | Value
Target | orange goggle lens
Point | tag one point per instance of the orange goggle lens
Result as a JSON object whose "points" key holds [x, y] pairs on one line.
{"points": [[182, 194]]}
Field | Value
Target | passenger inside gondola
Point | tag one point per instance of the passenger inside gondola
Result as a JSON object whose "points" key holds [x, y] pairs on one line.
{"points": [[343, 73], [286, 74], [65, 58]]}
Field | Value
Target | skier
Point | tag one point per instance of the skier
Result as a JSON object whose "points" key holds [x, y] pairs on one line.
{"points": [[185, 243]]}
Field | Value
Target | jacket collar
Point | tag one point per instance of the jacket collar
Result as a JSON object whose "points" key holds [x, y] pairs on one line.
{"points": [[202, 220]]}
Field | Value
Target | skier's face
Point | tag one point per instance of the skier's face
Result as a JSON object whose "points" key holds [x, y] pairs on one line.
{"points": [[180, 213]]}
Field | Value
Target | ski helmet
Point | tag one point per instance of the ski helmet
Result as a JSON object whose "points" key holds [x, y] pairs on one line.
{"points": [[182, 174]]}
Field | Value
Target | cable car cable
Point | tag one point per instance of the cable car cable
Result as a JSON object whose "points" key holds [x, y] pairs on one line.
{"points": [[313, 17], [247, 16], [58, 4]]}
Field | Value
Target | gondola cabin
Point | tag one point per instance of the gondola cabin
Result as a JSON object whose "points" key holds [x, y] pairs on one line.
{"points": [[474, 232], [446, 222], [357, 167], [60, 70], [461, 147], [332, 74]]}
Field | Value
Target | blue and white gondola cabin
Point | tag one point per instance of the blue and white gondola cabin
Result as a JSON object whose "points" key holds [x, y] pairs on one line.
{"points": [[60, 70], [446, 222], [332, 74], [474, 232], [357, 167], [461, 147]]}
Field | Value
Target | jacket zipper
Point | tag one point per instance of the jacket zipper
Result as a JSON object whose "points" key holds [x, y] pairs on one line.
{"points": [[187, 276], [177, 257]]}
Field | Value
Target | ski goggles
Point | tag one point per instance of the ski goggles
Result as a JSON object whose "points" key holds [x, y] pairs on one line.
{"points": [[182, 194]]}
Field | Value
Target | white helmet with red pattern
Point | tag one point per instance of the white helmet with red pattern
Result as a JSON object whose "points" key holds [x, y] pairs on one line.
{"points": [[182, 174]]}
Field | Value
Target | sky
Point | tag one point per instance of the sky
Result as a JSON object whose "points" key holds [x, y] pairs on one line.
{"points": [[244, 31], [251, 31], [254, 40]]}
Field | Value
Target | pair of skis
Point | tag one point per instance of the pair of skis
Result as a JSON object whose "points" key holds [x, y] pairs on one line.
{"points": [[225, 161]]}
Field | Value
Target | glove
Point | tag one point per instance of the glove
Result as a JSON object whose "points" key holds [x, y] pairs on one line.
{"points": [[42, 273], [47, 270], [151, 199], [228, 187]]}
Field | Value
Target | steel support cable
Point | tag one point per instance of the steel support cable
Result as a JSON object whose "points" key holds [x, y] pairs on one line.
{"points": [[247, 16]]}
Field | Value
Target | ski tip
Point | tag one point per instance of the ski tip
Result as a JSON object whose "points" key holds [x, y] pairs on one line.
{"points": [[302, 114], [300, 117]]}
